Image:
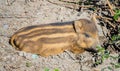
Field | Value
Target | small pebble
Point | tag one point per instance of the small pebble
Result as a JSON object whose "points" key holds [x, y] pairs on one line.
{"points": [[34, 56], [5, 26], [20, 53]]}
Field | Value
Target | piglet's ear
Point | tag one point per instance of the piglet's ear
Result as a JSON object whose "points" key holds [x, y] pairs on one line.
{"points": [[77, 26]]}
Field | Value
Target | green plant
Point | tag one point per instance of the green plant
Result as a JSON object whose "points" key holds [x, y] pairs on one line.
{"points": [[56, 69], [28, 64], [116, 65], [105, 54], [46, 69], [109, 68], [116, 15], [115, 37]]}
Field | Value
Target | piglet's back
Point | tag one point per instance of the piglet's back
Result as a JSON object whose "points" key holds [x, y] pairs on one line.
{"points": [[44, 34]]}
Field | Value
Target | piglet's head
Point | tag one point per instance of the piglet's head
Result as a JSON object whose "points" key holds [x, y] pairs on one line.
{"points": [[87, 33]]}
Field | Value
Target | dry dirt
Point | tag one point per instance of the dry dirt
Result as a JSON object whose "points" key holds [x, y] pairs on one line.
{"points": [[15, 14]]}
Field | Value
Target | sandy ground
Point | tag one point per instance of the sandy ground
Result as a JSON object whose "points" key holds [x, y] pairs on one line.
{"points": [[15, 14]]}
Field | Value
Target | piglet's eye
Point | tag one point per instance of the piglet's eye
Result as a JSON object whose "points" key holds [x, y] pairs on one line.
{"points": [[86, 35]]}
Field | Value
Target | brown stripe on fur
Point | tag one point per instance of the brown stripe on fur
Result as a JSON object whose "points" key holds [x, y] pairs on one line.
{"points": [[44, 32], [52, 36], [22, 43], [19, 41], [43, 25], [57, 39], [56, 45], [49, 31], [23, 32], [26, 37]]}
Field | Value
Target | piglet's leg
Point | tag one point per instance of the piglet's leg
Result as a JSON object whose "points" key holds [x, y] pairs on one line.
{"points": [[77, 50], [52, 51]]}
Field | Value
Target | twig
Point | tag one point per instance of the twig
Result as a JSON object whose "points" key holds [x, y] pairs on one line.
{"points": [[15, 17], [106, 19], [103, 17], [59, 4], [10, 3], [111, 8], [73, 5], [110, 23]]}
